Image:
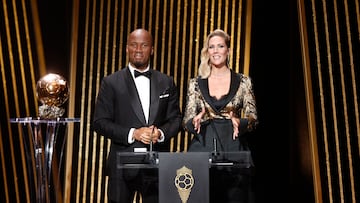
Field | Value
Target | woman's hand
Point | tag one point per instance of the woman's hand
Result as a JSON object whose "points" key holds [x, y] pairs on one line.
{"points": [[236, 122], [197, 120]]}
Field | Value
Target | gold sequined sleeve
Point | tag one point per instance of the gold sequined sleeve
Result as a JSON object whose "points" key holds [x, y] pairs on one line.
{"points": [[193, 101], [249, 103]]}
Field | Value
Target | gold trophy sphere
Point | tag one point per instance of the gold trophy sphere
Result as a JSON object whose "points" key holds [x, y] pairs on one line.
{"points": [[52, 90]]}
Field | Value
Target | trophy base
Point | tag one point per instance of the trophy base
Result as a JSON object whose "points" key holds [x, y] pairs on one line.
{"points": [[50, 112]]}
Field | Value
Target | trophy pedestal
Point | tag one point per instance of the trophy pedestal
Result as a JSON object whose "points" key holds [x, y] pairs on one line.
{"points": [[40, 149]]}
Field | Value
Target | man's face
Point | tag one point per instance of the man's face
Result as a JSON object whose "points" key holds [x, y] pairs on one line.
{"points": [[139, 47]]}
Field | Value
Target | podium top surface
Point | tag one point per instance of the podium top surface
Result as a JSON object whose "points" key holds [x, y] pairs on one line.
{"points": [[239, 159], [37, 120]]}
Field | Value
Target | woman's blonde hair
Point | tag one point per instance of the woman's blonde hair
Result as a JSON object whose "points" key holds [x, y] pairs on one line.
{"points": [[205, 67]]}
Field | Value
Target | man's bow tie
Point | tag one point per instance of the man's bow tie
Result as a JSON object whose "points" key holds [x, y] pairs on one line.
{"points": [[146, 74]]}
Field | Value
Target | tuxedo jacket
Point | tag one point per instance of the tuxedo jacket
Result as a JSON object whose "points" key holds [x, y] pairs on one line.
{"points": [[118, 109]]}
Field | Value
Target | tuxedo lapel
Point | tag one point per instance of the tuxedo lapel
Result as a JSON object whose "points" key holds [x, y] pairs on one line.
{"points": [[154, 97], [133, 96]]}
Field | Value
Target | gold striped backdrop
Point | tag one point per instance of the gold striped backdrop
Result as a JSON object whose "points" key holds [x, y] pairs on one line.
{"points": [[99, 32], [179, 29], [330, 49], [330, 35]]}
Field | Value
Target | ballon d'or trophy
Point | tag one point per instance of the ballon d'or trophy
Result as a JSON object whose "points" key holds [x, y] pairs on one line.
{"points": [[52, 91]]}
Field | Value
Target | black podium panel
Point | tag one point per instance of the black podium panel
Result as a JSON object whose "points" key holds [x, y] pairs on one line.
{"points": [[184, 177], [196, 177]]}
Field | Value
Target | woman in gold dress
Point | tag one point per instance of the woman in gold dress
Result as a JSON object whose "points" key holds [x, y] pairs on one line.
{"points": [[220, 110]]}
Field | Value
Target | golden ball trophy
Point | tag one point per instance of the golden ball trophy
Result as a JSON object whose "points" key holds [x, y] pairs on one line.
{"points": [[52, 91]]}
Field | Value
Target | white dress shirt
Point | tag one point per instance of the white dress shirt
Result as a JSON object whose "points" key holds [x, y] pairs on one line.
{"points": [[143, 88]]}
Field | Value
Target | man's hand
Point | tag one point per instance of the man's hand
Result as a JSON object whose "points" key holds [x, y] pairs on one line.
{"points": [[145, 134]]}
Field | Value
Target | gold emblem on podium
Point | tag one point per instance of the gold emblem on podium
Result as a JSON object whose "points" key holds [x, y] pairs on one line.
{"points": [[184, 181]]}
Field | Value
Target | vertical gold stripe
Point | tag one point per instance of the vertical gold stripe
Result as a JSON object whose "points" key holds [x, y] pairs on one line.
{"points": [[30, 57], [93, 163], [151, 8], [218, 23], [22, 73], [114, 45], [309, 103], [122, 28], [107, 177], [206, 19], [129, 19], [169, 41], [212, 15], [70, 136], [13, 79], [226, 20], [156, 37], [247, 37], [239, 30], [321, 93], [144, 14], [333, 99], [356, 106], [38, 37], [55, 175], [136, 13], [106, 47], [358, 26], [4, 176], [343, 90], [100, 167], [232, 34], [163, 40], [198, 38], [352, 67], [81, 137], [6, 99]]}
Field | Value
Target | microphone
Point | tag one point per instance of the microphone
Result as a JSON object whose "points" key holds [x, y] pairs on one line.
{"points": [[215, 145], [151, 145]]}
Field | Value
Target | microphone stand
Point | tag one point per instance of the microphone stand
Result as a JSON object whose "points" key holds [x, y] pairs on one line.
{"points": [[215, 153], [151, 156]]}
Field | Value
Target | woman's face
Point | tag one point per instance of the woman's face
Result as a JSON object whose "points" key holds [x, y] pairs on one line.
{"points": [[218, 51]]}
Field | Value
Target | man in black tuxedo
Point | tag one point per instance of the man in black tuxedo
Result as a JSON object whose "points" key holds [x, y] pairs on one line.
{"points": [[133, 106]]}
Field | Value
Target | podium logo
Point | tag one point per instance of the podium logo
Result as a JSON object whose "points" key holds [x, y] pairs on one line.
{"points": [[184, 181]]}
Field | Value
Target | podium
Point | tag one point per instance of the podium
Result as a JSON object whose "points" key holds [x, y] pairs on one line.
{"points": [[188, 177], [40, 149]]}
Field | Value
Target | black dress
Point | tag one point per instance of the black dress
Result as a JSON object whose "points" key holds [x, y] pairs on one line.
{"points": [[216, 134], [227, 184]]}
